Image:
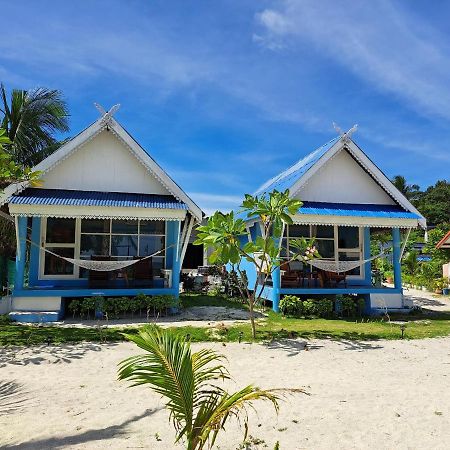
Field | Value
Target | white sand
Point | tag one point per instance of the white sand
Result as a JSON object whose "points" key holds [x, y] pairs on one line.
{"points": [[372, 395]]}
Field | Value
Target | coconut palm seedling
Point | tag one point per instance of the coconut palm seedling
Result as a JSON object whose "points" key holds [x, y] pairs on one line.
{"points": [[199, 409]]}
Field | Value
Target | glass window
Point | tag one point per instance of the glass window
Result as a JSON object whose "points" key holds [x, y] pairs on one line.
{"points": [[325, 248], [60, 231], [157, 264], [299, 231], [150, 244], [58, 266], [95, 226], [124, 227], [348, 237], [122, 245], [351, 256], [94, 244], [323, 231], [152, 227]]}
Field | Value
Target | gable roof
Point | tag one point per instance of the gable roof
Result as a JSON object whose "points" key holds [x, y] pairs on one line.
{"points": [[444, 242], [107, 122], [301, 172]]}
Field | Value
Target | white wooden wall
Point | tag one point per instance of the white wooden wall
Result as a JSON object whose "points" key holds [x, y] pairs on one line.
{"points": [[103, 164], [343, 180]]}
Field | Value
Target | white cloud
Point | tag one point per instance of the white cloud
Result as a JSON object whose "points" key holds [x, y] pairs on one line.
{"points": [[383, 45], [213, 202]]}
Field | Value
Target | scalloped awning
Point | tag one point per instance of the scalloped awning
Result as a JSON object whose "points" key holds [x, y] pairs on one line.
{"points": [[92, 204], [321, 213]]}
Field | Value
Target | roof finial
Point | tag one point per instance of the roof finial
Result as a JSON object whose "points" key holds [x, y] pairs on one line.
{"points": [[345, 135], [106, 116]]}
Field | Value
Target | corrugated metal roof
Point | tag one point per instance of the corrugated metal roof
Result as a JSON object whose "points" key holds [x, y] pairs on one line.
{"points": [[64, 197], [356, 210], [287, 178]]}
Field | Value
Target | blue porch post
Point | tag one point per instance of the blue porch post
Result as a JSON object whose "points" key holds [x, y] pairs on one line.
{"points": [[21, 253], [173, 254], [367, 270], [35, 251], [396, 258], [276, 285]]}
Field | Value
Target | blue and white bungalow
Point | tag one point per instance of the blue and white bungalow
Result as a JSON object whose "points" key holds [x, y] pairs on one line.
{"points": [[346, 198], [103, 203]]}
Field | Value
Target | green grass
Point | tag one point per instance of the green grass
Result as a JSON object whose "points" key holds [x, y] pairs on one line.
{"points": [[274, 327]]}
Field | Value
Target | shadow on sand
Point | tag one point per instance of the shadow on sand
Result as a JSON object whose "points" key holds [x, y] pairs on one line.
{"points": [[82, 438], [12, 397], [49, 354], [295, 346]]}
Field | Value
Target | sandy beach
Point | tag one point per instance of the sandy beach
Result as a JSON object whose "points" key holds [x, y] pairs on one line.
{"points": [[370, 395]]}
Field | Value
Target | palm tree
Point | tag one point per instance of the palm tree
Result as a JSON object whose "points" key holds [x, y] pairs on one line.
{"points": [[198, 408], [408, 190], [31, 120]]}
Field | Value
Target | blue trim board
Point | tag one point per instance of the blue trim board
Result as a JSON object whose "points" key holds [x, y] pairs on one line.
{"points": [[92, 292], [335, 291]]}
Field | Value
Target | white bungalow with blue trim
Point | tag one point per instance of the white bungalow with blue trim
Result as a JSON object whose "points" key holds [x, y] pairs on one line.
{"points": [[103, 200], [345, 197]]}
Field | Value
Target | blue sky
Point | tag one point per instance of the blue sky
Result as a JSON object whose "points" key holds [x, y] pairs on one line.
{"points": [[225, 94]]}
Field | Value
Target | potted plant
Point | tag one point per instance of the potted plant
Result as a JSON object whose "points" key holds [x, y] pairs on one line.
{"points": [[439, 285], [389, 277]]}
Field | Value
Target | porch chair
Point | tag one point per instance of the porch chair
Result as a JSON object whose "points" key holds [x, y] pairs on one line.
{"points": [[332, 279], [143, 272], [98, 279], [291, 277]]}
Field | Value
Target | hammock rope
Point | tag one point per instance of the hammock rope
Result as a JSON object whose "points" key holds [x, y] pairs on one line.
{"points": [[100, 266], [340, 266]]}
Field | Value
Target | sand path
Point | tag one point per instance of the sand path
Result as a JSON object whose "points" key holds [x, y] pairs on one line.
{"points": [[371, 395]]}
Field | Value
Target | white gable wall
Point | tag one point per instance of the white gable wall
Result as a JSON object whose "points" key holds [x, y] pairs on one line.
{"points": [[103, 164], [343, 180]]}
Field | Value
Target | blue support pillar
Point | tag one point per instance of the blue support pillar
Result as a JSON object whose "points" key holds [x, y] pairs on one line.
{"points": [[21, 253], [35, 251], [173, 254], [368, 264], [396, 258], [276, 284], [367, 270]]}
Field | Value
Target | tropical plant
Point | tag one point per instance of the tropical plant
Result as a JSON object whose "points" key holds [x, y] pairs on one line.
{"points": [[31, 120], [410, 191], [198, 408], [223, 233]]}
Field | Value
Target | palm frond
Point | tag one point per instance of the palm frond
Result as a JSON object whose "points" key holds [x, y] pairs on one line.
{"points": [[198, 408], [32, 118]]}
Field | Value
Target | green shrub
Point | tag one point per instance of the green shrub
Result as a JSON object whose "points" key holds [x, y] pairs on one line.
{"points": [[309, 308], [323, 307], [88, 307], [75, 307], [291, 305], [351, 306], [5, 319]]}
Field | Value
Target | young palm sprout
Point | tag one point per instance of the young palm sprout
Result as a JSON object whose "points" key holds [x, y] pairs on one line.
{"points": [[198, 408]]}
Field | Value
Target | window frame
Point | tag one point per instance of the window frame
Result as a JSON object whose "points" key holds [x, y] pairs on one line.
{"points": [[337, 250], [77, 246]]}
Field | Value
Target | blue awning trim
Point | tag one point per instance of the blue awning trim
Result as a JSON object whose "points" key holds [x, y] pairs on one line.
{"points": [[64, 197], [356, 210]]}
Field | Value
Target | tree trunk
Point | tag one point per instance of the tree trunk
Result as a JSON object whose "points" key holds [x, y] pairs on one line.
{"points": [[252, 317]]}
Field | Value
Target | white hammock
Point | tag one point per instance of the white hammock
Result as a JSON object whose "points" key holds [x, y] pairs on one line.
{"points": [[340, 266], [100, 266]]}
